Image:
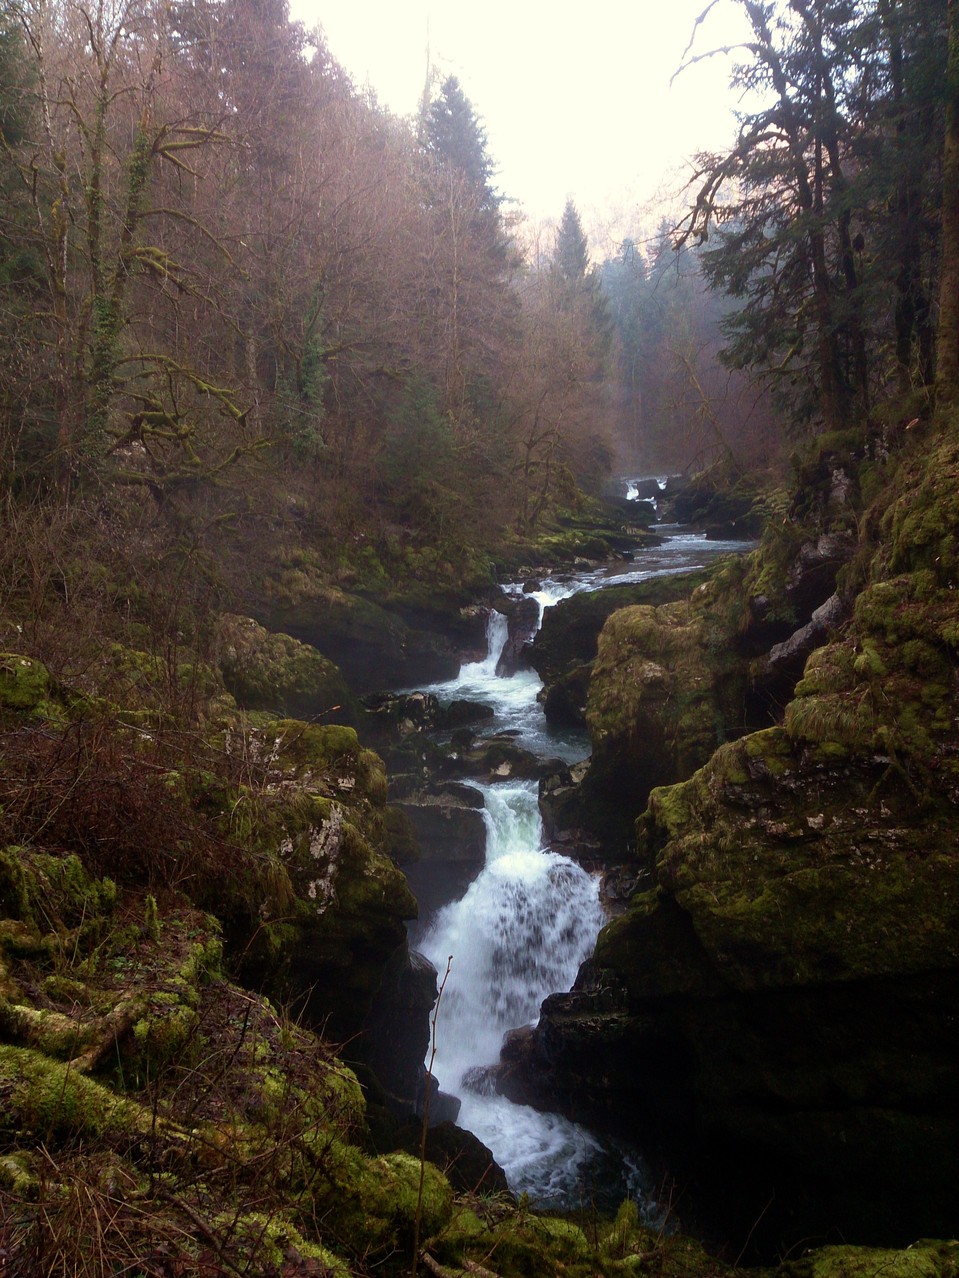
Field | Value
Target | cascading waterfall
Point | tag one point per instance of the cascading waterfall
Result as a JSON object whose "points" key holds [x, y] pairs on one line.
{"points": [[520, 932], [526, 923]]}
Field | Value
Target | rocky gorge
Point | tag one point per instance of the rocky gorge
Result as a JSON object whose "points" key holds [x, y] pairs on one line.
{"points": [[775, 1010], [770, 1011]]}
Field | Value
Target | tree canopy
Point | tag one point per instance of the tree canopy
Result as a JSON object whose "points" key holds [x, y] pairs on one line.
{"points": [[823, 218]]}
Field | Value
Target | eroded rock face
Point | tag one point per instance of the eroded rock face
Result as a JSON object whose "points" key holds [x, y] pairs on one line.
{"points": [[523, 618], [397, 1030], [451, 836], [337, 904], [777, 1012], [661, 698]]}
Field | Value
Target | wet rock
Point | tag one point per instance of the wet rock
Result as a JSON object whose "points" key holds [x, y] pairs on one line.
{"points": [[648, 489], [448, 822], [442, 1107], [499, 758], [790, 656], [564, 702], [559, 801], [400, 713], [523, 617], [459, 713], [662, 696], [776, 1010], [569, 635], [332, 910], [466, 1162], [811, 578], [375, 648], [397, 1030], [451, 833], [718, 500]]}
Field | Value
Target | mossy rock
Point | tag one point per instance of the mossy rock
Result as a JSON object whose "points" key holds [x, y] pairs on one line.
{"points": [[369, 1205], [276, 672], [373, 646], [26, 688], [922, 1260], [664, 693], [569, 634], [330, 904], [51, 893], [787, 983]]}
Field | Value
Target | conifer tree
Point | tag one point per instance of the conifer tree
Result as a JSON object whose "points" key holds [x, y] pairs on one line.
{"points": [[571, 259], [453, 136]]}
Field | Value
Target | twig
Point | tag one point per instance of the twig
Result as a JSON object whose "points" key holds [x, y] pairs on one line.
{"points": [[426, 1117]]}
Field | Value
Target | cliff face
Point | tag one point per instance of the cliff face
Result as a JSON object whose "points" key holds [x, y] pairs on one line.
{"points": [[777, 1011]]}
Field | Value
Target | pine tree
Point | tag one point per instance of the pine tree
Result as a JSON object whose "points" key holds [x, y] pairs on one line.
{"points": [[454, 137], [571, 258]]}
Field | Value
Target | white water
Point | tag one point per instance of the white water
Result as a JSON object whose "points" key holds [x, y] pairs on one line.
{"points": [[520, 932], [514, 700], [527, 921]]}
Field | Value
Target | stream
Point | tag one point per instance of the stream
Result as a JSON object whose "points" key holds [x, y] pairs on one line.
{"points": [[528, 921]]}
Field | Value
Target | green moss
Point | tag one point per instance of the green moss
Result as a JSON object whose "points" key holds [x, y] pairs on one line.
{"points": [[266, 671], [54, 892], [17, 1175], [922, 1260], [27, 689], [265, 1241], [369, 1204], [51, 1102]]}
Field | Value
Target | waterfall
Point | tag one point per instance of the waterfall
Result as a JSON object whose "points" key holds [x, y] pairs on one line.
{"points": [[497, 632], [527, 922], [520, 933]]}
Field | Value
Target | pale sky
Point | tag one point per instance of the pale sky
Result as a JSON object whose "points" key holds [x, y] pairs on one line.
{"points": [[575, 99]]}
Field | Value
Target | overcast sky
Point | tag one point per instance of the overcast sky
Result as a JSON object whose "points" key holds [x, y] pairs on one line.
{"points": [[576, 99]]}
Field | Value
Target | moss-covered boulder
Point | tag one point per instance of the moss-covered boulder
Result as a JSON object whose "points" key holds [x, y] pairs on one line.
{"points": [[276, 672], [721, 499], [373, 646], [569, 634], [331, 905], [667, 687], [26, 686]]}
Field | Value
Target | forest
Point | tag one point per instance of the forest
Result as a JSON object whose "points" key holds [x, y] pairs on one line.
{"points": [[288, 387], [220, 259]]}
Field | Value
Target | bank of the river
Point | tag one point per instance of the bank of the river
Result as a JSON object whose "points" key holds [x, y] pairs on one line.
{"points": [[176, 842], [775, 1013]]}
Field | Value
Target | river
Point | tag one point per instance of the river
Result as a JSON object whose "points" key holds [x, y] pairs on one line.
{"points": [[528, 921]]}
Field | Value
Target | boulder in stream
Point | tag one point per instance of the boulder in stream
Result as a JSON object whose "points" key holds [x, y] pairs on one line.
{"points": [[451, 833], [522, 614]]}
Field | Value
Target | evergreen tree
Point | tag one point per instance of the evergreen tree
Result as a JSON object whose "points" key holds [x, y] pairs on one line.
{"points": [[454, 137], [822, 219], [571, 258]]}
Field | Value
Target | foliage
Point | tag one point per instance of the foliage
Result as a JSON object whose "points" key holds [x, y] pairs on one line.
{"points": [[822, 213]]}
